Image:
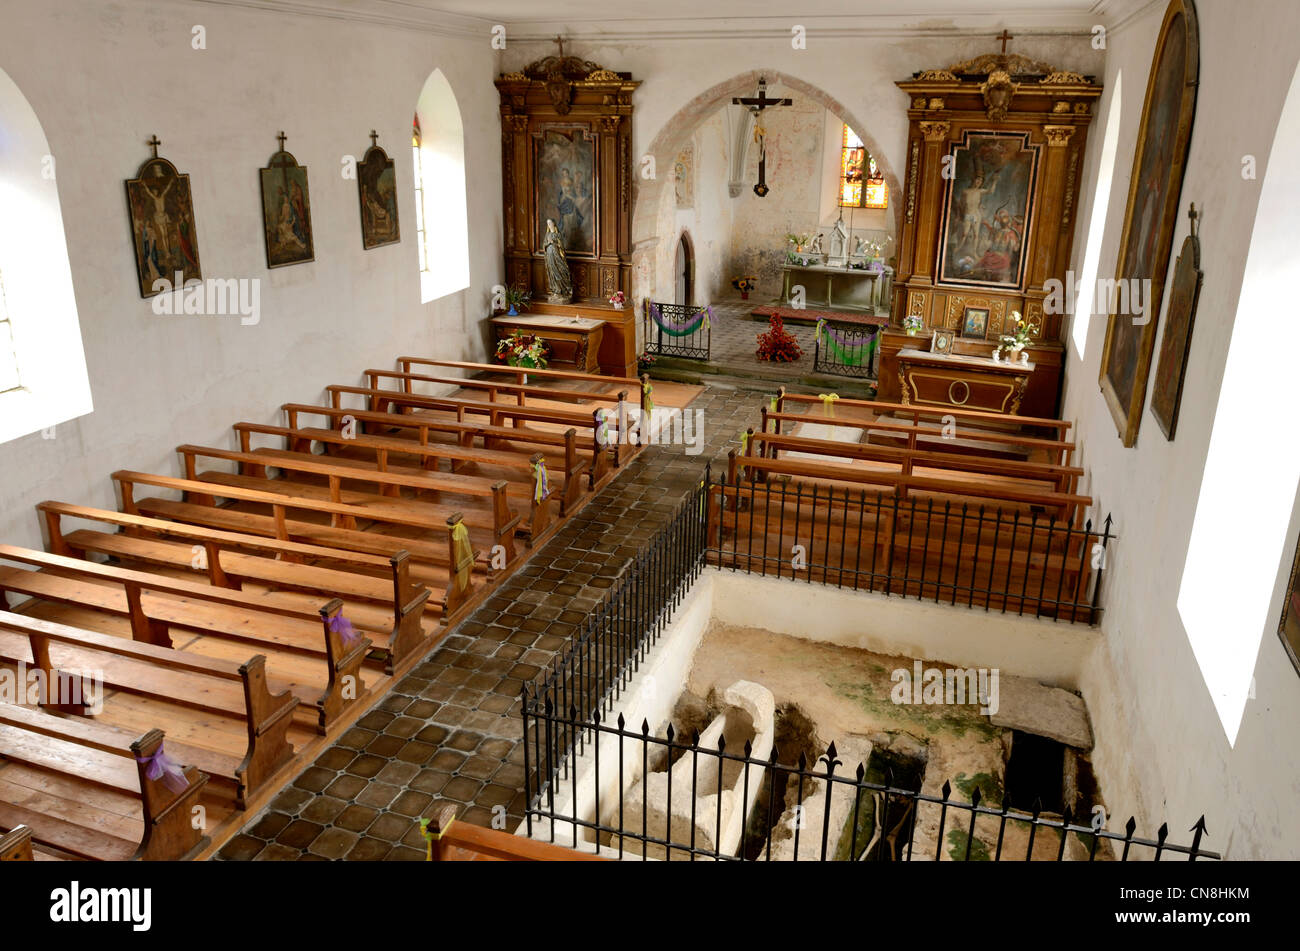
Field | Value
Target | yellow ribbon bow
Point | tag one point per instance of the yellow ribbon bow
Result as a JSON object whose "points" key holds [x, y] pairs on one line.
{"points": [[542, 484], [648, 391], [464, 554], [828, 403]]}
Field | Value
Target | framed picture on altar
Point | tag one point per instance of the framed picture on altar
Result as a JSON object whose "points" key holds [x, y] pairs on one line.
{"points": [[941, 342], [975, 322]]}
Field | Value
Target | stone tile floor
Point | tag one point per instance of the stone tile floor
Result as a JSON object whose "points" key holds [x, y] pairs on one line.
{"points": [[451, 729]]}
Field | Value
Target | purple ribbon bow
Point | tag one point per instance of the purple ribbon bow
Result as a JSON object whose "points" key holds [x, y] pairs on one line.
{"points": [[161, 766], [344, 629]]}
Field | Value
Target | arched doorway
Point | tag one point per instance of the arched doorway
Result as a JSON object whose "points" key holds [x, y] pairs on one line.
{"points": [[684, 272], [655, 251]]}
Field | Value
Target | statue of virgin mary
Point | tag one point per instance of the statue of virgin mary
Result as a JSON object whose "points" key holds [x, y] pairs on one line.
{"points": [[559, 286]]}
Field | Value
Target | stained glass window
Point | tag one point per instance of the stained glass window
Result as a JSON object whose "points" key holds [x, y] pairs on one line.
{"points": [[419, 195], [862, 185]]}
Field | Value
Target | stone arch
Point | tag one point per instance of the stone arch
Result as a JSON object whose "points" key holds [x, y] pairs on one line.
{"points": [[676, 133]]}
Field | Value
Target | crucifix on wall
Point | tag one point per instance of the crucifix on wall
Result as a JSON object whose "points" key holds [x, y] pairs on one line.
{"points": [[756, 105]]}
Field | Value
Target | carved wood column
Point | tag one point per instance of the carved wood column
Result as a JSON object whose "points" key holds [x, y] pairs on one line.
{"points": [[1050, 204], [930, 201]]}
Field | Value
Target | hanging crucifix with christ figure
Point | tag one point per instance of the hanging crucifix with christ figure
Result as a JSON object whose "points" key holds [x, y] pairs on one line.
{"points": [[756, 105]]}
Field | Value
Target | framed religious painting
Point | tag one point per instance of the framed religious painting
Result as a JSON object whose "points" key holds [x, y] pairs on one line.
{"points": [[564, 168], [1176, 343], [1288, 627], [377, 189], [987, 210], [166, 241], [941, 342], [286, 211], [975, 322], [1164, 133]]}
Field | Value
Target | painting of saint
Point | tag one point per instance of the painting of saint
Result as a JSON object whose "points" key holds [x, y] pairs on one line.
{"points": [[1149, 221], [987, 210], [565, 166], [286, 212], [377, 186], [162, 227]]}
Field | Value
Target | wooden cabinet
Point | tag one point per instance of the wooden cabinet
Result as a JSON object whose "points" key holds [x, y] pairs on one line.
{"points": [[931, 379]]}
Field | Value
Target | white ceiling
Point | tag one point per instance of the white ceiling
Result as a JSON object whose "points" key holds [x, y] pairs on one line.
{"points": [[633, 19]]}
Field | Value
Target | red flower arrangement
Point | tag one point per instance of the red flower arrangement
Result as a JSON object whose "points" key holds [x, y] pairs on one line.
{"points": [[777, 344]]}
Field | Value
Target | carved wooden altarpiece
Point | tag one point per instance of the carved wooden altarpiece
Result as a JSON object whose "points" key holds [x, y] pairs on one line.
{"points": [[994, 160], [566, 140]]}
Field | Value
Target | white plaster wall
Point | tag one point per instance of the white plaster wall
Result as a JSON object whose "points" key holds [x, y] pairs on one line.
{"points": [[1162, 751], [103, 77]]}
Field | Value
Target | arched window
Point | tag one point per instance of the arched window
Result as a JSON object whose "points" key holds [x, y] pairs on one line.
{"points": [[441, 214], [43, 379], [418, 178], [862, 184], [1252, 468], [1097, 220]]}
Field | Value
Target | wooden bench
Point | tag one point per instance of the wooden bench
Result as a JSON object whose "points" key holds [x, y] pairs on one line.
{"points": [[497, 449], [50, 744], [406, 365], [279, 525], [974, 417], [496, 413], [520, 391], [156, 603], [492, 513], [1058, 478], [239, 692], [451, 840], [225, 560], [16, 845]]}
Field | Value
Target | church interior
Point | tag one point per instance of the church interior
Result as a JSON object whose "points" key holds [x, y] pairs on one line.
{"points": [[752, 432]]}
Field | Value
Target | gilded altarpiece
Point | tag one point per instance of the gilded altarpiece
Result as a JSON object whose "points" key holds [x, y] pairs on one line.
{"points": [[566, 132], [994, 156]]}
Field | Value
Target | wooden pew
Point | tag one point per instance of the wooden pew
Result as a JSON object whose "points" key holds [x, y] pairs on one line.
{"points": [[405, 364], [988, 442], [379, 400], [225, 560], [50, 744], [156, 603], [486, 505], [16, 845], [974, 417], [519, 391], [502, 447], [450, 840], [340, 533], [1058, 478], [238, 692]]}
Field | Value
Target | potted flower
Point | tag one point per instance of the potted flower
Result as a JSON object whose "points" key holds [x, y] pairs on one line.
{"points": [[617, 300], [744, 283], [645, 362], [517, 299], [912, 324], [778, 344], [522, 350], [1014, 344]]}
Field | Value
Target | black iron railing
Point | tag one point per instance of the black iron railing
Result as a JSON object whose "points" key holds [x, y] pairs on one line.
{"points": [[788, 807], [676, 330], [980, 556], [845, 349]]}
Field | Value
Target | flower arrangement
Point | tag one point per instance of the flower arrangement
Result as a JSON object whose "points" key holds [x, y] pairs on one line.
{"points": [[778, 345], [744, 283], [912, 324], [517, 299], [522, 350], [618, 299], [1024, 332], [645, 362], [800, 241]]}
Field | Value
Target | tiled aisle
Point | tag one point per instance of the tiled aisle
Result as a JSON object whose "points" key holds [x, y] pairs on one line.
{"points": [[451, 729]]}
